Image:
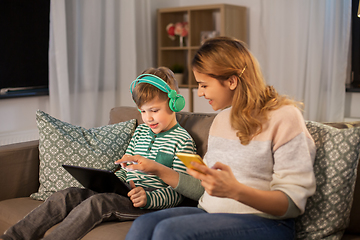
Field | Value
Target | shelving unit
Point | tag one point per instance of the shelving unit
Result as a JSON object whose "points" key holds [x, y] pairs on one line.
{"points": [[227, 20]]}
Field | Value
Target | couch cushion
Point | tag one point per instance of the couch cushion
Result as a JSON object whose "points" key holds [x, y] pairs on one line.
{"points": [[328, 210], [122, 114], [63, 143], [198, 125], [13, 210], [104, 231], [19, 171]]}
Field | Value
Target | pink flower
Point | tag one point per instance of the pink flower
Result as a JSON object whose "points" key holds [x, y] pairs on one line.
{"points": [[185, 29], [179, 29], [170, 28]]}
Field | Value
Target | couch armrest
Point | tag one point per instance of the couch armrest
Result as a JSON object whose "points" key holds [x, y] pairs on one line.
{"points": [[19, 169]]}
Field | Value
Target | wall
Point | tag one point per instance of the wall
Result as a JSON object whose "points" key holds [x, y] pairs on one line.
{"points": [[352, 109], [17, 118]]}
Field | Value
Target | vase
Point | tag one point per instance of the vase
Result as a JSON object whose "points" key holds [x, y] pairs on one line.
{"points": [[182, 41], [179, 78]]}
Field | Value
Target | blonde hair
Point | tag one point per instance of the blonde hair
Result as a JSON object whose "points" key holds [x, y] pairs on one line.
{"points": [[145, 92], [224, 57]]}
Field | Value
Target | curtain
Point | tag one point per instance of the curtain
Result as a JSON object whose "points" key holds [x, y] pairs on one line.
{"points": [[92, 57], [98, 47], [303, 48]]}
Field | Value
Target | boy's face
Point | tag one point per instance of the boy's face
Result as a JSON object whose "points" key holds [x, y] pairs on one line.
{"points": [[157, 115]]}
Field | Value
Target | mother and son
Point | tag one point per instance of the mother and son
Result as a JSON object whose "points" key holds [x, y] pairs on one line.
{"points": [[259, 162]]}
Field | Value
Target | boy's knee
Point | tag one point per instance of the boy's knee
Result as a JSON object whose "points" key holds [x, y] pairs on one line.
{"points": [[72, 194], [101, 200]]}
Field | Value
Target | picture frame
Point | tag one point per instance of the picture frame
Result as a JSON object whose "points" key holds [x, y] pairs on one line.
{"points": [[204, 35]]}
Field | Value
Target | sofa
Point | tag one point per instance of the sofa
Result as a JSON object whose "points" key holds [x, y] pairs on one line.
{"points": [[19, 178]]}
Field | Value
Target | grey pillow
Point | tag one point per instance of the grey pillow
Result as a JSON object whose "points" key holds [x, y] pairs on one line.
{"points": [[327, 212], [63, 143]]}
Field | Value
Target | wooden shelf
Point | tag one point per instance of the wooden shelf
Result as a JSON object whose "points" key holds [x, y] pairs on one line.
{"points": [[225, 19]]}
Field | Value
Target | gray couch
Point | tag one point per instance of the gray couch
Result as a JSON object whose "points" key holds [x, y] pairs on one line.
{"points": [[19, 173]]}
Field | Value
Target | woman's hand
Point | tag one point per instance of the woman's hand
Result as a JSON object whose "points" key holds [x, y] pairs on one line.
{"points": [[137, 195], [218, 181], [139, 163]]}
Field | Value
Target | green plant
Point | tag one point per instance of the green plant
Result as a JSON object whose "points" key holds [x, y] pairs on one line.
{"points": [[177, 68]]}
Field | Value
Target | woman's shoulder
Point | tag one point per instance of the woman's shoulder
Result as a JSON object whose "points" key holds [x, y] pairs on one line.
{"points": [[286, 113], [223, 116], [284, 124]]}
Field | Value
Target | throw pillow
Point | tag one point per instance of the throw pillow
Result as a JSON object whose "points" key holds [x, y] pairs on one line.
{"points": [[328, 210], [63, 143]]}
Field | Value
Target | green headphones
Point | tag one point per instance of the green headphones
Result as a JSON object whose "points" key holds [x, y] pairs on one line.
{"points": [[177, 101]]}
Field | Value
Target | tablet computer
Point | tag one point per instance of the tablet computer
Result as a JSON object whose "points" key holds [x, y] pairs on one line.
{"points": [[101, 181]]}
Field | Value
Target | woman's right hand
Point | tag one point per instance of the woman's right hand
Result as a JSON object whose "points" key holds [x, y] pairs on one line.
{"points": [[218, 180]]}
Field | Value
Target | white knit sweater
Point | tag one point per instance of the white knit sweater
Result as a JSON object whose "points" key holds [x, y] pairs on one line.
{"points": [[281, 158]]}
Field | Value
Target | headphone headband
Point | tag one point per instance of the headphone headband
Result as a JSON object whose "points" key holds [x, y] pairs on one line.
{"points": [[151, 79], [177, 101]]}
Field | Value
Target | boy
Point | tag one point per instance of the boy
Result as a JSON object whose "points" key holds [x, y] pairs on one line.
{"points": [[154, 144]]}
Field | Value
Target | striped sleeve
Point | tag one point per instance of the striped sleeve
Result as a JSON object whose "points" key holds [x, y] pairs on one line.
{"points": [[163, 198], [168, 197], [121, 173], [186, 146], [130, 149]]}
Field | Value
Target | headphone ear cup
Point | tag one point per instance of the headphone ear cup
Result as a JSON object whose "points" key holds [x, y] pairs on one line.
{"points": [[177, 104]]}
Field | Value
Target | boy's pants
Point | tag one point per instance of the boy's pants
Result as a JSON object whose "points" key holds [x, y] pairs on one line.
{"points": [[79, 210]]}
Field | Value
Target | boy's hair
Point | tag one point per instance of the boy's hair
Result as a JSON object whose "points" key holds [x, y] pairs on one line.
{"points": [[225, 57], [145, 92]]}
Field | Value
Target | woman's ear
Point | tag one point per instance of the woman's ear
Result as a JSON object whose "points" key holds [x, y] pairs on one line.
{"points": [[233, 82]]}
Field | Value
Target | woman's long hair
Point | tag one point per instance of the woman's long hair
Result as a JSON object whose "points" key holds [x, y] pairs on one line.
{"points": [[224, 57]]}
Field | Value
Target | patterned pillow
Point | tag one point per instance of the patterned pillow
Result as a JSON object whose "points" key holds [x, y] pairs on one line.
{"points": [[63, 143], [327, 212]]}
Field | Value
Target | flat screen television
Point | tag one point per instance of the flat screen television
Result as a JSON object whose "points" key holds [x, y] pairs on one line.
{"points": [[24, 44], [355, 52]]}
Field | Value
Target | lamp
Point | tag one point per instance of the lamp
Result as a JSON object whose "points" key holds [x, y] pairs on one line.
{"points": [[359, 10]]}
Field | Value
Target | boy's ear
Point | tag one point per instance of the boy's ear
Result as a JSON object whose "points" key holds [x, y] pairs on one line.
{"points": [[233, 82]]}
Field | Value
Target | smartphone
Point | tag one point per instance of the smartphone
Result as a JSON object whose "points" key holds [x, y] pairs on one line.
{"points": [[187, 158]]}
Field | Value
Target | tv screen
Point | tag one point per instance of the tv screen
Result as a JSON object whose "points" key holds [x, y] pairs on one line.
{"points": [[24, 43]]}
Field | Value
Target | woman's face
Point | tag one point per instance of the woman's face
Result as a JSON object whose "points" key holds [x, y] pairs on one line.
{"points": [[219, 95]]}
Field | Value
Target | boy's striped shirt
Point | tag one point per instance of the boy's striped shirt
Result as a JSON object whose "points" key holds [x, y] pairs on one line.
{"points": [[162, 148]]}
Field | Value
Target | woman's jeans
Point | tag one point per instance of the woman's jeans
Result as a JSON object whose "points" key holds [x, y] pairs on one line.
{"points": [[192, 223], [78, 210]]}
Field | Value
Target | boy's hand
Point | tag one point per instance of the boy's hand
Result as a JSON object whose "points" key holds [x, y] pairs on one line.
{"points": [[137, 195], [139, 163]]}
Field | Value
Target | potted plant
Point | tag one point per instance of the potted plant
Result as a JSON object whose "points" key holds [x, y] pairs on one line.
{"points": [[178, 71]]}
